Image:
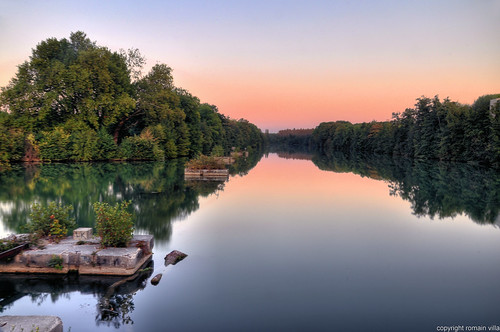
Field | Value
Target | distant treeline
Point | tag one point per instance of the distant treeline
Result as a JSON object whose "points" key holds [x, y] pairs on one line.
{"points": [[75, 100], [291, 139], [433, 130]]}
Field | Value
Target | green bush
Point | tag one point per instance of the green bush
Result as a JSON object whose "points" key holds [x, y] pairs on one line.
{"points": [[170, 149], [6, 244], [55, 145], [84, 145], [56, 262], [141, 148], [217, 151], [106, 147], [205, 162], [52, 221], [11, 144], [114, 224]]}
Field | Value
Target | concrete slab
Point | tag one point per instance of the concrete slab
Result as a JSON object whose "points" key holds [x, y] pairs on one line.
{"points": [[143, 240], [87, 258], [31, 323]]}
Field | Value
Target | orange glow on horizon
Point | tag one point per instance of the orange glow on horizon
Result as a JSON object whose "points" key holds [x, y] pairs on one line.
{"points": [[314, 62], [291, 100]]}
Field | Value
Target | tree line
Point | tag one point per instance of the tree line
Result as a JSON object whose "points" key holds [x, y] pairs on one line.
{"points": [[434, 130], [77, 101], [290, 140]]}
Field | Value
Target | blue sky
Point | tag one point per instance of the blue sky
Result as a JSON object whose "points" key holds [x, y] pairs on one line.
{"points": [[285, 64]]}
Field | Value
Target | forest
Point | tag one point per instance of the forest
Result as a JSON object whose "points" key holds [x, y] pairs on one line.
{"points": [[434, 130], [290, 140], [77, 101]]}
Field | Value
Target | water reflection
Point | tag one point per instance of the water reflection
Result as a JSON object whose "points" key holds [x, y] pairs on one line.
{"points": [[434, 189], [115, 295], [304, 249], [157, 190]]}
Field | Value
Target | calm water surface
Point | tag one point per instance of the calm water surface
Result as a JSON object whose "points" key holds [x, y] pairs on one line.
{"points": [[286, 245]]}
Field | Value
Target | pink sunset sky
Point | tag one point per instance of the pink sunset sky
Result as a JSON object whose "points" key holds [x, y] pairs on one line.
{"points": [[285, 64]]}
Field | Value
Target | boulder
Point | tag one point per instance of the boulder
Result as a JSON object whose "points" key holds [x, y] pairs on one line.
{"points": [[174, 257], [156, 279]]}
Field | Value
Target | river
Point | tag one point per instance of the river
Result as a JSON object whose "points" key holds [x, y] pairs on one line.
{"points": [[290, 242]]}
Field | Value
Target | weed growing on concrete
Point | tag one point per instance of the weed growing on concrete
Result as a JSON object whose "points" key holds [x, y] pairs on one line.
{"points": [[7, 244], [56, 262], [114, 224], [52, 220]]}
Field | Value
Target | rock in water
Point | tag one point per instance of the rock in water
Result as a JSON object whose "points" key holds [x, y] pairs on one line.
{"points": [[156, 279], [174, 257]]}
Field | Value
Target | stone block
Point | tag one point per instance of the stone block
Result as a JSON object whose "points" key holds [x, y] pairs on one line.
{"points": [[82, 234], [31, 323], [143, 241], [125, 258]]}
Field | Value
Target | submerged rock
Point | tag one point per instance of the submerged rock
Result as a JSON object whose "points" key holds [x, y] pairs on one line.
{"points": [[156, 279], [174, 257]]}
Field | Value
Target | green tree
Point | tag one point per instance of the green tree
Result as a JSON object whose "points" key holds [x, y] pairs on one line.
{"points": [[68, 78], [73, 95]]}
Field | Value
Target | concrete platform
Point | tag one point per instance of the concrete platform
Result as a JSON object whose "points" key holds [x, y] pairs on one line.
{"points": [[87, 258], [30, 323], [206, 174]]}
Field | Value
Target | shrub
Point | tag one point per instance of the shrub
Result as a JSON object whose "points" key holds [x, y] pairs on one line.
{"points": [[84, 145], [205, 162], [106, 146], [114, 224], [170, 149], [11, 144], [217, 151], [56, 262], [55, 144], [52, 221], [141, 148], [6, 244]]}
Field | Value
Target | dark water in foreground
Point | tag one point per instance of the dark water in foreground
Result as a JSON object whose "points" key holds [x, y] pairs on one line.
{"points": [[295, 244]]}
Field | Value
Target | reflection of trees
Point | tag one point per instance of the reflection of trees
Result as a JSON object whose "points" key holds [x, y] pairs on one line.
{"points": [[115, 294], [117, 312], [243, 165], [157, 190], [117, 303], [434, 189]]}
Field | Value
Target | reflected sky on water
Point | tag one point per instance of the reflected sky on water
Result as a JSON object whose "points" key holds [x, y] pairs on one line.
{"points": [[290, 246]]}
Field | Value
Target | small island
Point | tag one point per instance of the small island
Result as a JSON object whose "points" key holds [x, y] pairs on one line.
{"points": [[207, 168], [48, 249], [83, 254]]}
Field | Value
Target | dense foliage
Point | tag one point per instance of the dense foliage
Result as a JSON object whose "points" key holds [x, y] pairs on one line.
{"points": [[52, 220], [75, 100], [205, 162], [114, 224], [294, 139], [433, 130]]}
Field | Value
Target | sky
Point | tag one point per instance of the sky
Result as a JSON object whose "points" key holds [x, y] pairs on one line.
{"points": [[285, 64]]}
